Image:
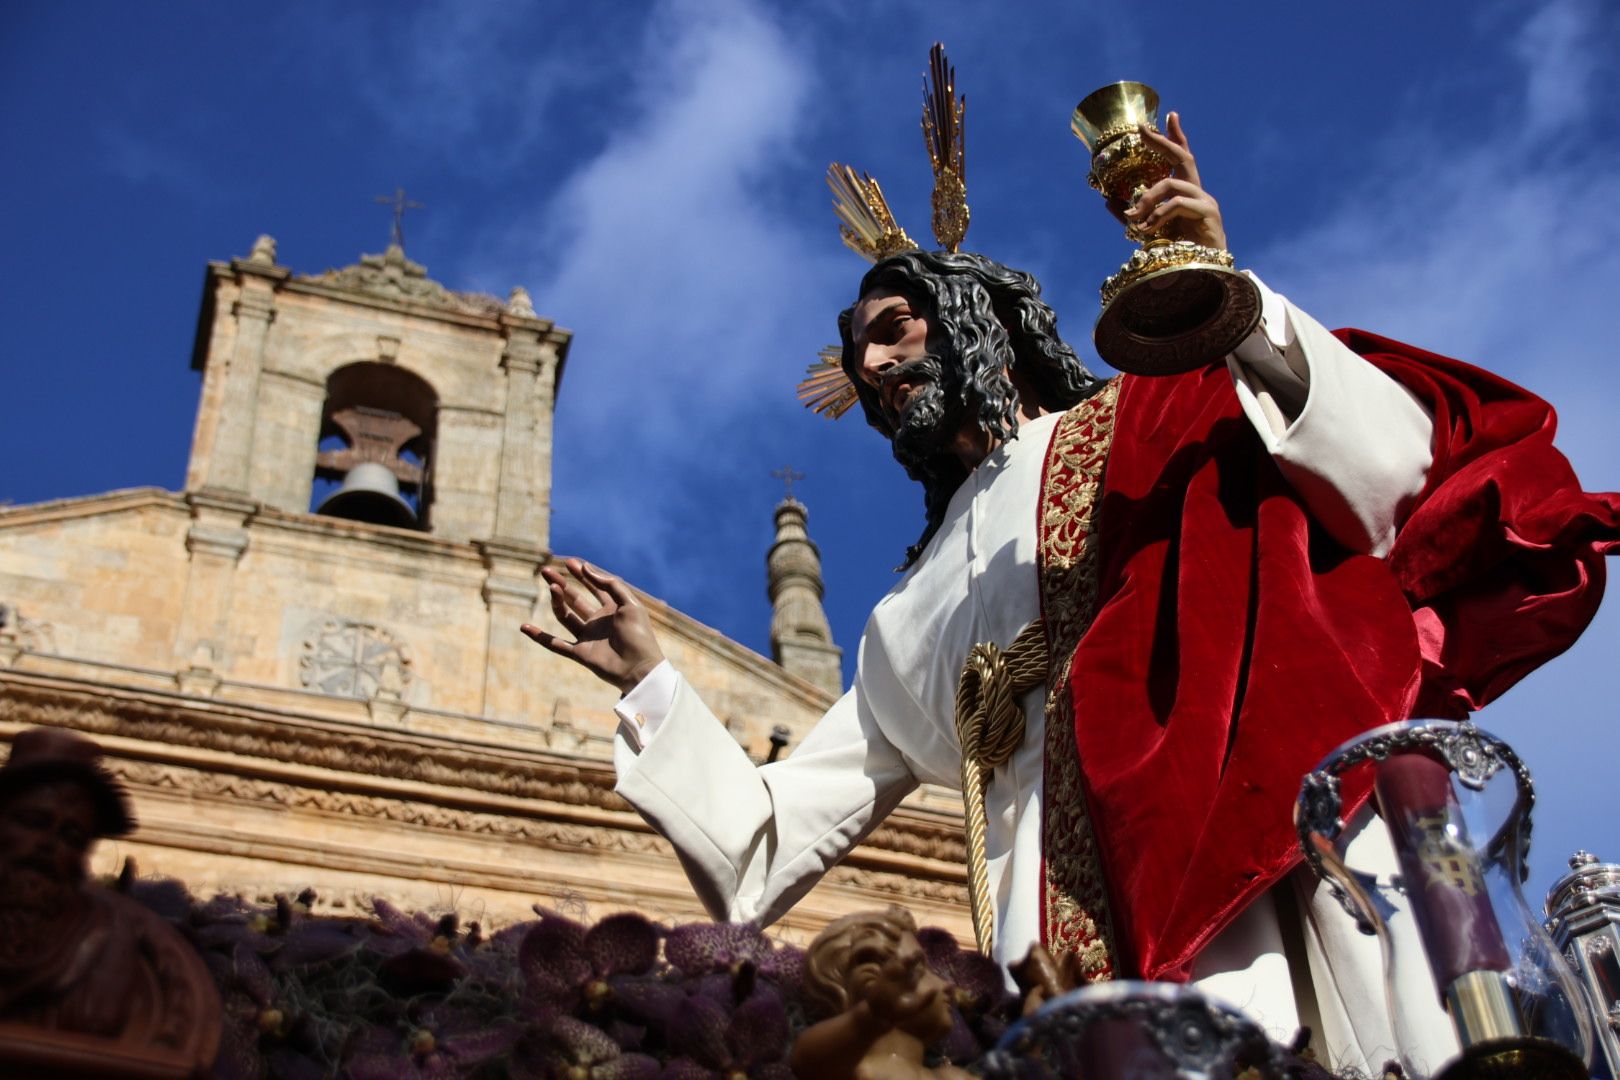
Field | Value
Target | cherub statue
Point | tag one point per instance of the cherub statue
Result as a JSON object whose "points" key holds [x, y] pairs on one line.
{"points": [[868, 976]]}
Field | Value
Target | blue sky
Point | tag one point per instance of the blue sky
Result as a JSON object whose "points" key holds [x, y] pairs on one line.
{"points": [[1445, 174]]}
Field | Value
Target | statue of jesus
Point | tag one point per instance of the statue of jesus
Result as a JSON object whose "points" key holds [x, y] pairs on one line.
{"points": [[1220, 576]]}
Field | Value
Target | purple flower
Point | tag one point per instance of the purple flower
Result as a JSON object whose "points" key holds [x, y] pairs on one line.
{"points": [[421, 952], [568, 1049], [566, 966], [702, 948], [750, 1039], [443, 1042], [165, 896], [981, 1006]]}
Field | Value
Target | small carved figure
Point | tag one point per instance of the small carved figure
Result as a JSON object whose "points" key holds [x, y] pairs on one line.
{"points": [[1041, 976], [868, 976], [77, 960]]}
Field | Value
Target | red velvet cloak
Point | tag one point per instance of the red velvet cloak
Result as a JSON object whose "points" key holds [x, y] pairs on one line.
{"points": [[1236, 643]]}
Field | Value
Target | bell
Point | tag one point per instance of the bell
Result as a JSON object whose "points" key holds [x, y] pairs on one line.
{"points": [[370, 492]]}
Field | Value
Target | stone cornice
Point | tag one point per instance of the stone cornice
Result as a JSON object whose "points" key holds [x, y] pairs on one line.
{"points": [[285, 282], [904, 870], [80, 506], [407, 541], [251, 268], [374, 772], [177, 722]]}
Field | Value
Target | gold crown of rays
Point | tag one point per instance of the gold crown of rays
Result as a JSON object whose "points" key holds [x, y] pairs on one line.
{"points": [[867, 225]]}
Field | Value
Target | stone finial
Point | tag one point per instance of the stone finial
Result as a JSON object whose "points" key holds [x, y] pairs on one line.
{"points": [[520, 303], [264, 251], [801, 639]]}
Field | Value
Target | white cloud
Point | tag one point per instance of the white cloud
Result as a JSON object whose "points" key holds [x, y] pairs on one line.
{"points": [[1559, 65], [475, 85], [669, 220], [143, 160], [680, 276], [1506, 252]]}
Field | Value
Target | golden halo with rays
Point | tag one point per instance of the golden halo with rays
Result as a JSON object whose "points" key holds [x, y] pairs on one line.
{"points": [[868, 227]]}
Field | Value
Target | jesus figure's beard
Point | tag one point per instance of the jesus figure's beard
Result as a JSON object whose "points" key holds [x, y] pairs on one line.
{"points": [[932, 416]]}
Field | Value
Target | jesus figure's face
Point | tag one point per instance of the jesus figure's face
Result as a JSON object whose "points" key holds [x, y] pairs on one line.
{"points": [[917, 386]]}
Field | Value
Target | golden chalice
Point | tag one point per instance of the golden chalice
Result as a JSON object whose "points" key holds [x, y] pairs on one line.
{"points": [[1176, 305]]}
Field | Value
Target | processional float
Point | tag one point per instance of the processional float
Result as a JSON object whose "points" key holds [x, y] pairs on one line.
{"points": [[1452, 921]]}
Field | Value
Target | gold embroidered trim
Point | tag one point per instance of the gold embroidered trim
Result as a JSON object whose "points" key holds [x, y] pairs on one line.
{"points": [[1074, 902]]}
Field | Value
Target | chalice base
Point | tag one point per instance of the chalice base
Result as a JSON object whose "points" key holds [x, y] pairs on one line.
{"points": [[1167, 320], [1526, 1058]]}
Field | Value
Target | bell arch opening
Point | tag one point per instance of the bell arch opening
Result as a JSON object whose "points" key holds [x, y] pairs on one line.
{"points": [[374, 456]]}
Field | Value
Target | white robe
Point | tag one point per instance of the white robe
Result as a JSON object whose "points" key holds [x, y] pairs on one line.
{"points": [[1354, 444]]}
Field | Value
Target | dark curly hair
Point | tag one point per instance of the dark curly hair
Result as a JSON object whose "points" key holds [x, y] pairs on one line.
{"points": [[983, 317]]}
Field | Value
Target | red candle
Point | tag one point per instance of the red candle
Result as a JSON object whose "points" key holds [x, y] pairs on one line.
{"points": [[1445, 884]]}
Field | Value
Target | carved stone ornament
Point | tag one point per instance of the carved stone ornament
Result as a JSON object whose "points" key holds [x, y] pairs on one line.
{"points": [[345, 658], [393, 276], [1473, 756], [25, 700], [28, 635], [1116, 1028]]}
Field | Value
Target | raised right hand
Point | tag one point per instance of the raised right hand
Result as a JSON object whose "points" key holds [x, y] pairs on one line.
{"points": [[613, 637], [1178, 207]]}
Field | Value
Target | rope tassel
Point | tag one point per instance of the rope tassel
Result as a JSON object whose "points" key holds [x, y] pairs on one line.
{"points": [[990, 726]]}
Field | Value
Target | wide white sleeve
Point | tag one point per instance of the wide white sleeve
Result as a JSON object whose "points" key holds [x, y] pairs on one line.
{"points": [[1354, 443], [754, 839]]}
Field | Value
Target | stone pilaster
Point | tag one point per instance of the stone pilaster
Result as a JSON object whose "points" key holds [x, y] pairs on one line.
{"points": [[231, 457], [510, 591], [216, 540], [545, 405], [515, 517], [523, 498], [801, 639]]}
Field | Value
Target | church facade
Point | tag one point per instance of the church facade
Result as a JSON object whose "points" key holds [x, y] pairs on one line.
{"points": [[306, 665]]}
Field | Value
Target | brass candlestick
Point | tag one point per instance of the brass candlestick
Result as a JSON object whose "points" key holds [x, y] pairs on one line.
{"points": [[1176, 305]]}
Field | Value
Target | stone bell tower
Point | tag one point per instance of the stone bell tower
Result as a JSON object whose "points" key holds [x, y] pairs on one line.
{"points": [[370, 393], [460, 387], [801, 639]]}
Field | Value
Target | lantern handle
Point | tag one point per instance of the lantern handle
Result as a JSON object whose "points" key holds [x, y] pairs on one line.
{"points": [[1474, 756]]}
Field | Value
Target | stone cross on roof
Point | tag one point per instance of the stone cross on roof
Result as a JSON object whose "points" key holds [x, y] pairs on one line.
{"points": [[787, 474], [399, 204]]}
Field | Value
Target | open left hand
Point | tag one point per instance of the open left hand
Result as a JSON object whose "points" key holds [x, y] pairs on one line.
{"points": [[1178, 207]]}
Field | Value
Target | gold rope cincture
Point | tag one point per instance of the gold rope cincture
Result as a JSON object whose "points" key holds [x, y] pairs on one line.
{"points": [[990, 725]]}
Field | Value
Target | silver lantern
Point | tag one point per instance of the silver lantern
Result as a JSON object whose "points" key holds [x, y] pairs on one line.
{"points": [[1583, 917], [1461, 923]]}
